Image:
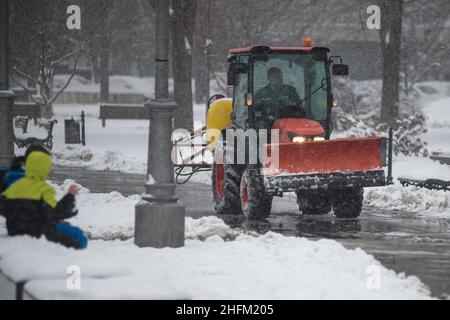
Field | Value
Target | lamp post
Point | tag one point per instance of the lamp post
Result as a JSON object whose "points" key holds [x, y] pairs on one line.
{"points": [[159, 216], [6, 95]]}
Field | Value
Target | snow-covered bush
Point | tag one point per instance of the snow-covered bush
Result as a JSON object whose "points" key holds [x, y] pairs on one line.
{"points": [[407, 134], [358, 115]]}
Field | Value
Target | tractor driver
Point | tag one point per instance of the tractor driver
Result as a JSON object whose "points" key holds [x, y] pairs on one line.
{"points": [[285, 97]]}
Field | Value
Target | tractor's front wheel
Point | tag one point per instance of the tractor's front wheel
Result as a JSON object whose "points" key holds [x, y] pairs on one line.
{"points": [[256, 204], [226, 179], [314, 203], [347, 203]]}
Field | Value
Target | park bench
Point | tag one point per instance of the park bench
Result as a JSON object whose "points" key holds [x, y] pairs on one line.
{"points": [[21, 122], [30, 109], [25, 142], [442, 157], [123, 112]]}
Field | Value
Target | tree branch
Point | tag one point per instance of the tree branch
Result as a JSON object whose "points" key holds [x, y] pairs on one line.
{"points": [[25, 75], [68, 81], [77, 50], [26, 89]]}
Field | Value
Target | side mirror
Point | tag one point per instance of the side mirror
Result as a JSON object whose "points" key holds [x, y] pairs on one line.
{"points": [[231, 78], [237, 67], [340, 69], [234, 69]]}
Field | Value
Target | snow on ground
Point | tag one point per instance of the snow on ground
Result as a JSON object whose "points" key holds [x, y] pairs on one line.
{"points": [[438, 123], [117, 84], [420, 201], [420, 168], [103, 215], [424, 202], [438, 113], [430, 91], [269, 266]]}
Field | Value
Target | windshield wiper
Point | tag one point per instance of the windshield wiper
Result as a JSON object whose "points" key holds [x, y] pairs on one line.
{"points": [[324, 84]]}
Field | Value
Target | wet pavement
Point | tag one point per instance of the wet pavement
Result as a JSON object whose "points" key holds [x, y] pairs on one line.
{"points": [[401, 241]]}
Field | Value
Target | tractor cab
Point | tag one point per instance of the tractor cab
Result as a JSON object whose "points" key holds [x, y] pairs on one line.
{"points": [[277, 87]]}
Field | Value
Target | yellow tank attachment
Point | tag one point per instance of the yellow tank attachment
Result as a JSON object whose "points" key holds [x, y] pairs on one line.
{"points": [[217, 119]]}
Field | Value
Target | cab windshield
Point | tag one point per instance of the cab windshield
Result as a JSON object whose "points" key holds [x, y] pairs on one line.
{"points": [[290, 85]]}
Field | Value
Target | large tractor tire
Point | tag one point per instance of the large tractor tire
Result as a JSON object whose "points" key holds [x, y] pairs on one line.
{"points": [[347, 203], [226, 186], [314, 203], [255, 202]]}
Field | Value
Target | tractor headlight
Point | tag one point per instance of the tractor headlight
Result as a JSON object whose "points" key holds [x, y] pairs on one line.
{"points": [[298, 139]]}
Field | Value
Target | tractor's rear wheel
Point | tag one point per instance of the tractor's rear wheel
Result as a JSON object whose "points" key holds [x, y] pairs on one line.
{"points": [[226, 180], [314, 203], [347, 203], [255, 202]]}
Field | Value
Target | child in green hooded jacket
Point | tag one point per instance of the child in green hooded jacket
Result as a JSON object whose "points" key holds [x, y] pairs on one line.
{"points": [[30, 205]]}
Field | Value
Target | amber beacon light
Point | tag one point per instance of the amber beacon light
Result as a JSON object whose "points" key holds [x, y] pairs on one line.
{"points": [[307, 42]]}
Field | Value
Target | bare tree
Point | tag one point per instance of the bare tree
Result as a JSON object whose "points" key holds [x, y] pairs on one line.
{"points": [[39, 45], [44, 81]]}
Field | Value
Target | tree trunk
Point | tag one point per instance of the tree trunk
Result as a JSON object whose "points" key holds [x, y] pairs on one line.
{"points": [[47, 107], [182, 23], [95, 67], [391, 32], [202, 74], [104, 71]]}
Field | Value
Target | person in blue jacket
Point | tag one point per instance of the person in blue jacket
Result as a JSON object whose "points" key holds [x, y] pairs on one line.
{"points": [[17, 168], [15, 172]]}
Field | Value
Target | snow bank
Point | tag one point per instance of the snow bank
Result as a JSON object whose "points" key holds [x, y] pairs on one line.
{"points": [[98, 159], [428, 203], [24, 258], [270, 266], [420, 168]]}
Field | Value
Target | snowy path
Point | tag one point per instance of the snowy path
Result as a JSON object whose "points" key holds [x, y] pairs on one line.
{"points": [[401, 241]]}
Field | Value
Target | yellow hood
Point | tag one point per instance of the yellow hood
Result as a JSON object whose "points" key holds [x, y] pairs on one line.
{"points": [[34, 186], [38, 166]]}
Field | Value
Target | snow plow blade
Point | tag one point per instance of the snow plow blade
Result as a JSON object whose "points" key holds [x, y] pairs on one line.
{"points": [[332, 164]]}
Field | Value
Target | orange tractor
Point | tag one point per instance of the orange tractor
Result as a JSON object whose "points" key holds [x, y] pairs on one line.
{"points": [[287, 90]]}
